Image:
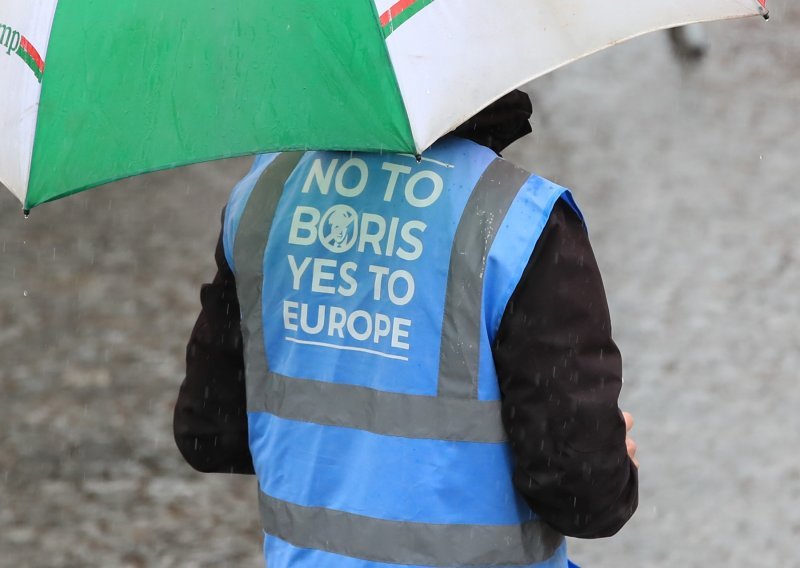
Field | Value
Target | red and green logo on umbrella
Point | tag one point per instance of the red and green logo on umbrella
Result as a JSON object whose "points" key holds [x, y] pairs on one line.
{"points": [[15, 42], [399, 13]]}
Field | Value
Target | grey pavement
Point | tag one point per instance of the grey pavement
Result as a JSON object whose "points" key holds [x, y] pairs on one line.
{"points": [[688, 177]]}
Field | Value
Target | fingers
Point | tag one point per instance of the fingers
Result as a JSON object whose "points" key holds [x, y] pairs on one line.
{"points": [[628, 421], [629, 442], [631, 446]]}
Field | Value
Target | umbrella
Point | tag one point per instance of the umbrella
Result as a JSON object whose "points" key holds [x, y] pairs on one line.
{"points": [[98, 90]]}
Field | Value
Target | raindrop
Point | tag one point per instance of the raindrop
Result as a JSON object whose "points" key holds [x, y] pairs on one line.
{"points": [[25, 293]]}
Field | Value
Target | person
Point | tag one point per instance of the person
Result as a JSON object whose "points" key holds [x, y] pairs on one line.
{"points": [[689, 43], [414, 356]]}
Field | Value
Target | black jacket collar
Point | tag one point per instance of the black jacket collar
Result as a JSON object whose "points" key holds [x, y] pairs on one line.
{"points": [[501, 123]]}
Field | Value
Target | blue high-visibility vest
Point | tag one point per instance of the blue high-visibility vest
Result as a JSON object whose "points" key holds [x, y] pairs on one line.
{"points": [[371, 288]]}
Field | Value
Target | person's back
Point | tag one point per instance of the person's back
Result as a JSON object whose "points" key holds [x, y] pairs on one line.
{"points": [[405, 334], [374, 411]]}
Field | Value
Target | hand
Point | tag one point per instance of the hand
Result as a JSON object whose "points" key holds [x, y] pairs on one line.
{"points": [[631, 445]]}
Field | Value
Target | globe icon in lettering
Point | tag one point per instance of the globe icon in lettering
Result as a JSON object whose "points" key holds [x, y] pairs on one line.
{"points": [[338, 228]]}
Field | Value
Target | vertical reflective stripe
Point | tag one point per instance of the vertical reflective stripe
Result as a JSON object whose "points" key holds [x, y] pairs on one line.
{"points": [[237, 202], [461, 327], [248, 254]]}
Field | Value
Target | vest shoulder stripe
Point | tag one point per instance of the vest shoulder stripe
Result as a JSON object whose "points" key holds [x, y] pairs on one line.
{"points": [[248, 253], [237, 202], [512, 251], [405, 542], [461, 329]]}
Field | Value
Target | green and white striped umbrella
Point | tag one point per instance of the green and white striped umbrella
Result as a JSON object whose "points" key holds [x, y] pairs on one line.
{"points": [[97, 90]]}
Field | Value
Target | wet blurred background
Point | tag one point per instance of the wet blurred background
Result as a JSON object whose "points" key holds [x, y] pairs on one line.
{"points": [[687, 171]]}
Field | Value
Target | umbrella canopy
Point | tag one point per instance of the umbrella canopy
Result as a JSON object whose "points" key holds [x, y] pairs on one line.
{"points": [[98, 90]]}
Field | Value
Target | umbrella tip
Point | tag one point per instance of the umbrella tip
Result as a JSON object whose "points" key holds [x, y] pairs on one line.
{"points": [[418, 157], [26, 213]]}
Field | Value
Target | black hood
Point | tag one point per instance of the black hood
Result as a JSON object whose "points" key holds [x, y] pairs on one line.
{"points": [[501, 123]]}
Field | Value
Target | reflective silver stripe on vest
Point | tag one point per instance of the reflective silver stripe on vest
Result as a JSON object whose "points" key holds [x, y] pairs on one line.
{"points": [[249, 247], [461, 329], [398, 542], [455, 414], [387, 413]]}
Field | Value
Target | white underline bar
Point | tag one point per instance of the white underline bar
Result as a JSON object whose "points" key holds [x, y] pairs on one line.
{"points": [[346, 348]]}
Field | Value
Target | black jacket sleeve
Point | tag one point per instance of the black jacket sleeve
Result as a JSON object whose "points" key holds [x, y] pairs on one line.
{"points": [[560, 376], [210, 420]]}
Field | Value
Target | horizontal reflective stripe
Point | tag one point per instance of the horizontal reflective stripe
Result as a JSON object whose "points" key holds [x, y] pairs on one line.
{"points": [[402, 479], [380, 412], [281, 554], [408, 543]]}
